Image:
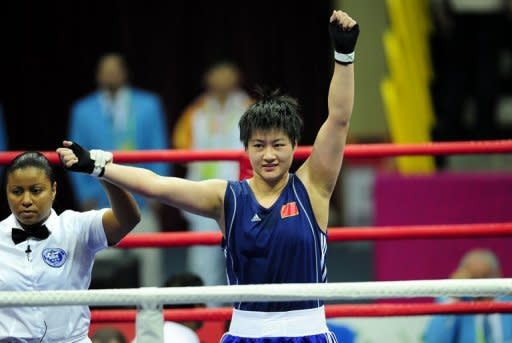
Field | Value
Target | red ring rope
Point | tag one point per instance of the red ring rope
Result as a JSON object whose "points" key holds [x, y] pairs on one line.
{"points": [[351, 151], [175, 239], [332, 311]]}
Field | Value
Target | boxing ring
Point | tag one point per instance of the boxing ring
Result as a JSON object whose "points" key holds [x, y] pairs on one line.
{"points": [[149, 300]]}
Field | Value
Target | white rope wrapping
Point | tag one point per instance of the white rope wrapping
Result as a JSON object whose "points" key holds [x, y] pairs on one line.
{"points": [[275, 292]]}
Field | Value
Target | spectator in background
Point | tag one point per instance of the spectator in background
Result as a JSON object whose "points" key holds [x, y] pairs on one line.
{"points": [[3, 147], [3, 132], [108, 335], [487, 328], [120, 117], [211, 122], [467, 45], [184, 332]]}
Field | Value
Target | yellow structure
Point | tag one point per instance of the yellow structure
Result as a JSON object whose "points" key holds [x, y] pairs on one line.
{"points": [[405, 91]]}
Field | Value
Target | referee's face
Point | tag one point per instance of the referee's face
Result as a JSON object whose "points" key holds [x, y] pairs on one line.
{"points": [[30, 195]]}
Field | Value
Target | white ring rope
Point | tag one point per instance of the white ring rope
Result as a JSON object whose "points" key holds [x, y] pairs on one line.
{"points": [[152, 297]]}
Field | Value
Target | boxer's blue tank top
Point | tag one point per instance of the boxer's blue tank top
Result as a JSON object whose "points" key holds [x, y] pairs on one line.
{"points": [[279, 244]]}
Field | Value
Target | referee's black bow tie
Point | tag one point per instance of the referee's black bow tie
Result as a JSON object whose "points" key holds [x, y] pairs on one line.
{"points": [[19, 235]]}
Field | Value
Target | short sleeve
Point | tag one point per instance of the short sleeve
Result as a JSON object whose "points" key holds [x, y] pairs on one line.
{"points": [[90, 229]]}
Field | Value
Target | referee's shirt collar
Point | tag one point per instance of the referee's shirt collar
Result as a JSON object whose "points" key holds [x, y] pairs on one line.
{"points": [[50, 222]]}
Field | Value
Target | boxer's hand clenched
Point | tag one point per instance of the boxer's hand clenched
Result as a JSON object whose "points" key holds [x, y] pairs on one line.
{"points": [[344, 32], [76, 158]]}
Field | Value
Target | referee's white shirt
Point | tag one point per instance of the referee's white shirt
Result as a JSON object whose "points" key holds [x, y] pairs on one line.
{"points": [[63, 261]]}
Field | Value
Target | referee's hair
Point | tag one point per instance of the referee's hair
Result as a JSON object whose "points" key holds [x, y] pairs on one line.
{"points": [[31, 159]]}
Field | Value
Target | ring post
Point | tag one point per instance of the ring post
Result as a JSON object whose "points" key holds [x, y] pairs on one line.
{"points": [[149, 323]]}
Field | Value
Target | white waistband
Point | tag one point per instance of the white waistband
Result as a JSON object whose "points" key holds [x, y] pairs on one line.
{"points": [[297, 323]]}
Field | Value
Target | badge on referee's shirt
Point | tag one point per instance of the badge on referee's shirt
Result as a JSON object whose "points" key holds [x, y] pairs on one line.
{"points": [[54, 257]]}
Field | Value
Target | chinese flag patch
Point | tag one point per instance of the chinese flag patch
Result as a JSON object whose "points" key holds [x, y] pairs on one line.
{"points": [[289, 210]]}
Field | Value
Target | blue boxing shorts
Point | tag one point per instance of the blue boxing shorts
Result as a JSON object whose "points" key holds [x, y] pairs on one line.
{"points": [[300, 326]]}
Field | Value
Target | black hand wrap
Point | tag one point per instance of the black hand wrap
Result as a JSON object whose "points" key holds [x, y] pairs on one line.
{"points": [[85, 163], [344, 42]]}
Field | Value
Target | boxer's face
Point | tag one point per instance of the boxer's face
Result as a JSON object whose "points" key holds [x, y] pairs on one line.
{"points": [[270, 153]]}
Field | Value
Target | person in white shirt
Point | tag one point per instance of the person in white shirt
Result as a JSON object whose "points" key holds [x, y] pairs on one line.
{"points": [[42, 250]]}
